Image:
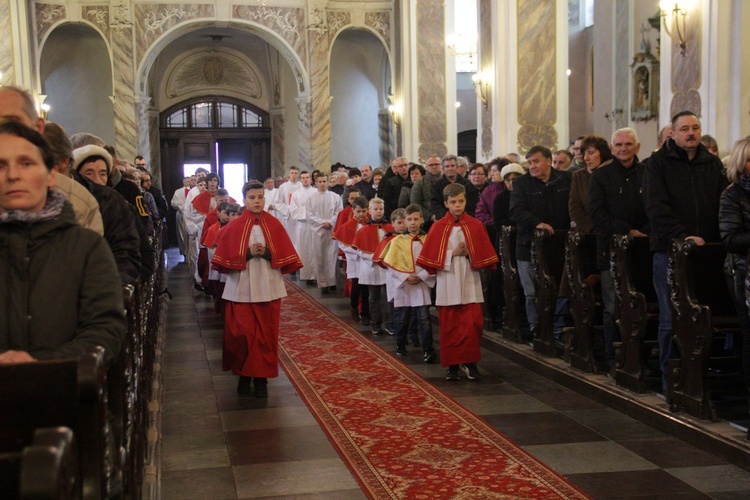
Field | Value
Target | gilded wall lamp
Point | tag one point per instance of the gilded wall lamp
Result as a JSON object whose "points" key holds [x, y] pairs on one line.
{"points": [[676, 17], [481, 87]]}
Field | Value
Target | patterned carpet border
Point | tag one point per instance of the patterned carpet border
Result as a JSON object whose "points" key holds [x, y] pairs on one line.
{"points": [[398, 435]]}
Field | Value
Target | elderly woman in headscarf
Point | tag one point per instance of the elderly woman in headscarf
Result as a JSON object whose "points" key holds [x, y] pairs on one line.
{"points": [[60, 292]]}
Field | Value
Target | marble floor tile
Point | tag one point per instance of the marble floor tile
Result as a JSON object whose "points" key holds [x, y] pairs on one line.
{"points": [[527, 429], [292, 478], [353, 494], [670, 452], [283, 444], [579, 458], [201, 484], [655, 484], [266, 418], [714, 478], [493, 405]]}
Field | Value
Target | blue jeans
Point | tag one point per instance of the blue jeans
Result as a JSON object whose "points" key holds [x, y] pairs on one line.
{"points": [[402, 318], [528, 283], [611, 334], [666, 346]]}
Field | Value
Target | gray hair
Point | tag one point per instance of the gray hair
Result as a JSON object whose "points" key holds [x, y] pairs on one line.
{"points": [[625, 130], [737, 159], [29, 105]]}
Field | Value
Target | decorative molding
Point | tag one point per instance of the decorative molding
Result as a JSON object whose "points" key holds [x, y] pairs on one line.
{"points": [[213, 70], [686, 70], [152, 20], [380, 22], [487, 146], [531, 135], [121, 13], [286, 22], [98, 15], [431, 78], [427, 149], [46, 15], [336, 21]]}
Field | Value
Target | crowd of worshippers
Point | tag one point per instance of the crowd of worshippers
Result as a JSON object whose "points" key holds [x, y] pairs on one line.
{"points": [[77, 224]]}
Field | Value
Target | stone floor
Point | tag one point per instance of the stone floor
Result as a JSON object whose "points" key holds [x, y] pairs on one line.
{"points": [[217, 445]]}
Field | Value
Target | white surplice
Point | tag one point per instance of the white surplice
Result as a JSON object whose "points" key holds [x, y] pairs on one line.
{"points": [[323, 208], [258, 282], [457, 283], [282, 204], [405, 294], [304, 235]]}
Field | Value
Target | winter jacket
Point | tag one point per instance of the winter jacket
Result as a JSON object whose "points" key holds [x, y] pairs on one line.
{"points": [[578, 202], [486, 205], [681, 197], [533, 202], [59, 292], [390, 190], [421, 193], [734, 225], [616, 204]]}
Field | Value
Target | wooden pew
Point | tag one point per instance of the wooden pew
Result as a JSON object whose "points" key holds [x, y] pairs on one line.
{"points": [[635, 298], [46, 469], [69, 393], [548, 260], [580, 260], [702, 306], [511, 286]]}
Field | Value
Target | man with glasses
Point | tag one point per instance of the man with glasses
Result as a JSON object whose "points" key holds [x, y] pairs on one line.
{"points": [[421, 191]]}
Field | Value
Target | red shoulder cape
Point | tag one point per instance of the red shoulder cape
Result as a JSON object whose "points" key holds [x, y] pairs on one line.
{"points": [[233, 244], [367, 237], [212, 218], [202, 202], [211, 236], [344, 216], [377, 255], [481, 252], [346, 232]]}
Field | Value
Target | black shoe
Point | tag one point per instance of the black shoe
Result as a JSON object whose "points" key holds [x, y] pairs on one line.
{"points": [[401, 350], [244, 386], [324, 291], [311, 283], [198, 287], [377, 331], [452, 374], [471, 371], [332, 289], [261, 388], [365, 320], [430, 357]]}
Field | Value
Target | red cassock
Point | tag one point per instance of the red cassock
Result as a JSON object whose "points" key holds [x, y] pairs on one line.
{"points": [[461, 325], [251, 329]]}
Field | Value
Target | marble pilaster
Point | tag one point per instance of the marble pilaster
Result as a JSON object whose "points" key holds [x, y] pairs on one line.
{"points": [[320, 102], [6, 52], [154, 152], [387, 137], [686, 70], [431, 79], [623, 43], [484, 11], [125, 105], [142, 119], [278, 142], [304, 124], [537, 73]]}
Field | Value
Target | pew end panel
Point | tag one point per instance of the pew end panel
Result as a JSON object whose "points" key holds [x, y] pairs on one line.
{"points": [[548, 261], [580, 260], [511, 286]]}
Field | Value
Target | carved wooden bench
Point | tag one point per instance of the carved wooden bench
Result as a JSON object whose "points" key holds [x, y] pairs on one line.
{"points": [[702, 308], [580, 259], [68, 393], [636, 309], [511, 285], [547, 260]]}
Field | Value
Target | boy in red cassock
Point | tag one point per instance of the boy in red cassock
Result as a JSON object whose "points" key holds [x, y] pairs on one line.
{"points": [[254, 251], [456, 247]]}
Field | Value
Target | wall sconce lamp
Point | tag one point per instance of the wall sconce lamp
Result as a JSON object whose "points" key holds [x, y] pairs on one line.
{"points": [[613, 114], [44, 111], [394, 111], [481, 88], [678, 30]]}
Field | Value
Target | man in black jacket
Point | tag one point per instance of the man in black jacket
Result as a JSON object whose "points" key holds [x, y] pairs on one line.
{"points": [[539, 200], [681, 190], [451, 175], [390, 187], [616, 207]]}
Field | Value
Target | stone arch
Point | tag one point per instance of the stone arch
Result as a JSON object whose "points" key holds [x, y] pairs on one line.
{"points": [[371, 31], [293, 59]]}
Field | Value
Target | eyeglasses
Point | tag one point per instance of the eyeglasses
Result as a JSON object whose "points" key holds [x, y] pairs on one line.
{"points": [[433, 164]]}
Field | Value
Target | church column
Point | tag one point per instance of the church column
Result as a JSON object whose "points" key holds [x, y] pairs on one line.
{"points": [[320, 94], [144, 141], [278, 146], [125, 104], [304, 108], [15, 56]]}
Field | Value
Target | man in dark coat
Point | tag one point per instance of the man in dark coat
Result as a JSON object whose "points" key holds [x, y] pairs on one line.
{"points": [[450, 175]]}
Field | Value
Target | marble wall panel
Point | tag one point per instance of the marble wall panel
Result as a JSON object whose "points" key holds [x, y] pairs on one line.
{"points": [[536, 89], [337, 20], [485, 62], [304, 124], [686, 70], [288, 23], [153, 20], [622, 70], [278, 145], [6, 49], [45, 16], [320, 92], [127, 123], [98, 15], [385, 124], [431, 78]]}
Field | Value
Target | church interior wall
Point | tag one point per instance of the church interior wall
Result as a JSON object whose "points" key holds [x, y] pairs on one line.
{"points": [[76, 76], [466, 114], [358, 90], [291, 119]]}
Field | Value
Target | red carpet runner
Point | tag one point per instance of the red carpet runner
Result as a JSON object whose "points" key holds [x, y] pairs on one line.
{"points": [[400, 437]]}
